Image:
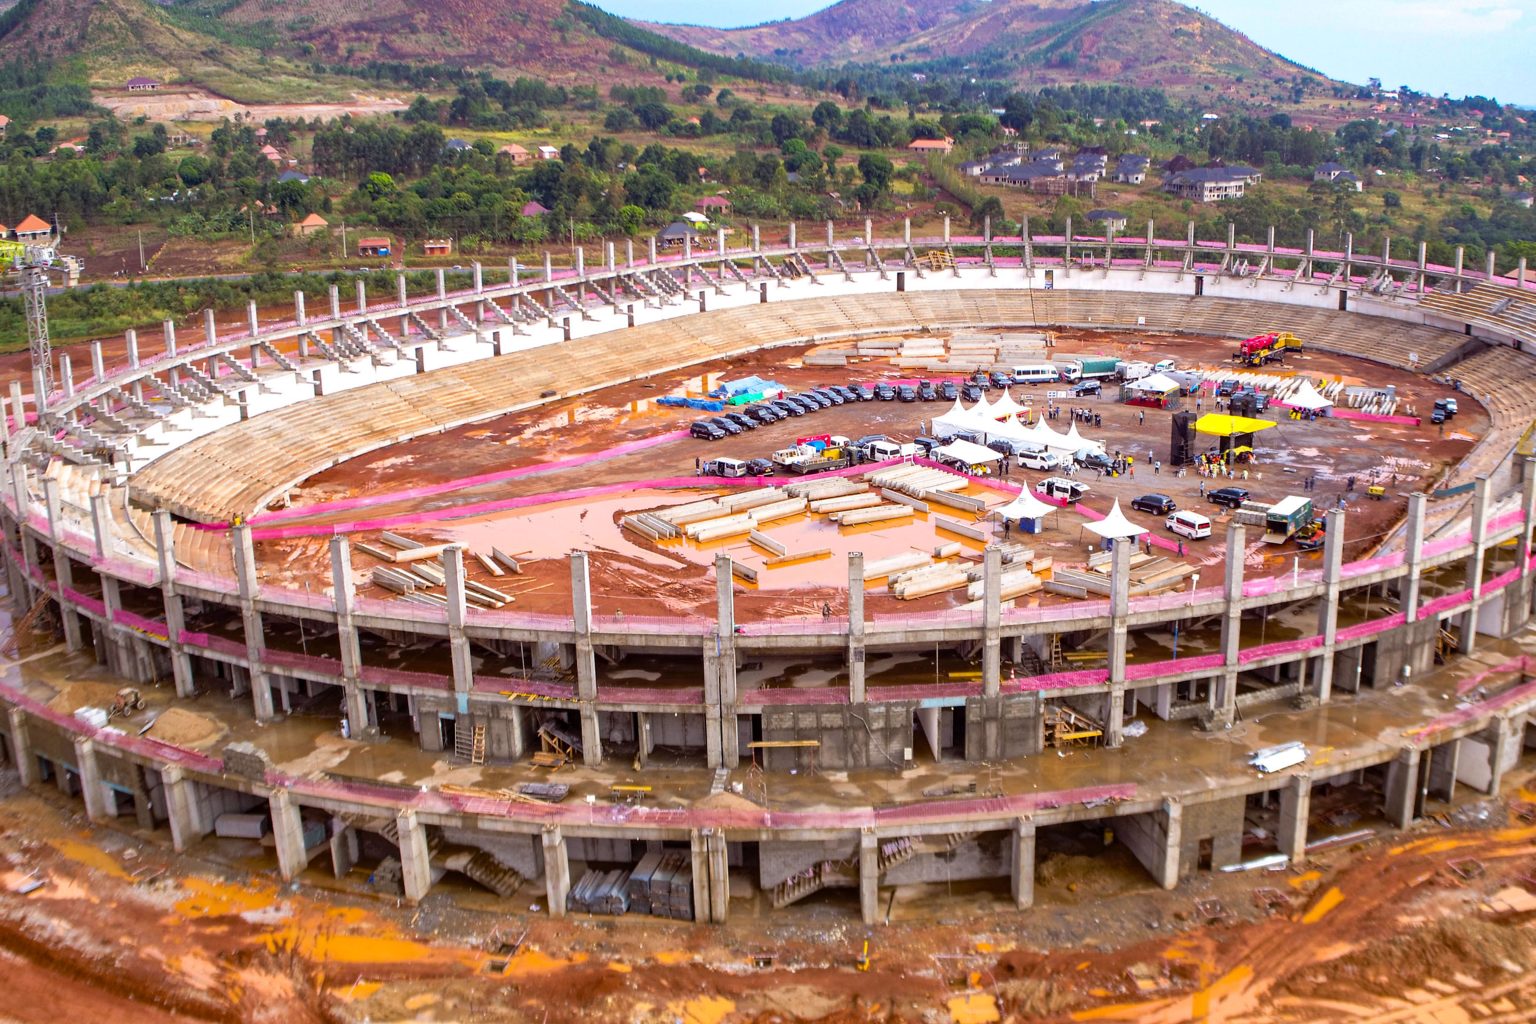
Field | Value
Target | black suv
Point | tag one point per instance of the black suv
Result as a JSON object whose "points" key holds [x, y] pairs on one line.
{"points": [[742, 420], [705, 431], [762, 414], [848, 394], [1231, 497], [831, 396], [1000, 379], [865, 393], [1090, 459], [812, 401], [785, 408], [1089, 387], [1157, 504], [927, 392], [971, 393], [726, 425], [949, 391], [759, 467], [981, 379], [906, 393], [885, 392]]}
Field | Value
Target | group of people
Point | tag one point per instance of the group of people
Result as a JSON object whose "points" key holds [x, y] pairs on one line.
{"points": [[1087, 417]]}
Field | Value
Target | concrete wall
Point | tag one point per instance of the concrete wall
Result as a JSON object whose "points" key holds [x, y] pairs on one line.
{"points": [[779, 859], [866, 736], [1221, 822], [987, 855]]}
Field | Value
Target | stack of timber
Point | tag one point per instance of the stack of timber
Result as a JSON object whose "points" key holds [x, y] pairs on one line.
{"points": [[600, 892], [662, 885], [818, 490], [876, 514], [411, 584], [918, 481], [1012, 584], [1150, 574], [896, 564], [929, 580]]}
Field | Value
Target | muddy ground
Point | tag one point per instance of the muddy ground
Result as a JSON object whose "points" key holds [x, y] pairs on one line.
{"points": [[1426, 927], [638, 577]]}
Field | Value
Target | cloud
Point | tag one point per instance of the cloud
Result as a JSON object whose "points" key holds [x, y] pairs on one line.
{"points": [[1436, 18]]}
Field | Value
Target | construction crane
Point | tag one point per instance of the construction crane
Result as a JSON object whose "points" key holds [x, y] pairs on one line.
{"points": [[31, 262]]}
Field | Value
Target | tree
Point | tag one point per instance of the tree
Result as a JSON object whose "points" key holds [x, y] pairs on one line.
{"points": [[876, 170], [1391, 200], [653, 115], [991, 207], [378, 185], [651, 187], [631, 219]]}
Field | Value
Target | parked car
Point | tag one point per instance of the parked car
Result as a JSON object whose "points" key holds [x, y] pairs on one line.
{"points": [[1062, 488], [762, 414], [949, 390], [1157, 504], [885, 392], [1438, 416], [869, 439], [828, 395], [742, 420], [726, 425], [1000, 379], [785, 407], [865, 392], [906, 393], [927, 445], [723, 467], [848, 393], [982, 379], [814, 400], [705, 431], [927, 392], [759, 467], [1088, 387], [1008, 446], [1092, 458], [1231, 497], [971, 393]]}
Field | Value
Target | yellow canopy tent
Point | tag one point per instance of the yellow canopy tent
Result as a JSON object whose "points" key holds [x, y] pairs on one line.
{"points": [[1223, 425]]}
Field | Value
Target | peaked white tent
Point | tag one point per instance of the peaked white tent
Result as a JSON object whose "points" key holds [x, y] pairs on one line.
{"points": [[958, 418], [1115, 526], [1157, 384], [1005, 406], [1079, 442], [1306, 397], [1010, 429], [1026, 510], [968, 453], [982, 408]]}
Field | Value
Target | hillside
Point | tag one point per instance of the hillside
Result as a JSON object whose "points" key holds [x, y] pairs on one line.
{"points": [[1031, 42]]}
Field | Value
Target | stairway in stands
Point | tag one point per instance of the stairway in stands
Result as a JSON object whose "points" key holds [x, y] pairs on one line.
{"points": [[487, 870], [839, 874]]}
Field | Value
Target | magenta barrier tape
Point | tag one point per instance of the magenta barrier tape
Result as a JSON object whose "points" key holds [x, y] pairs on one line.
{"points": [[1521, 664], [346, 504], [1057, 680], [1460, 716]]}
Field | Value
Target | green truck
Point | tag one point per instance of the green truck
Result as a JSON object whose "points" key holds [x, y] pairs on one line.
{"points": [[1285, 519]]}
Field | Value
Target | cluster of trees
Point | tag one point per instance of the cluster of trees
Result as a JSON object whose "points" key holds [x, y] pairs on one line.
{"points": [[487, 102]]}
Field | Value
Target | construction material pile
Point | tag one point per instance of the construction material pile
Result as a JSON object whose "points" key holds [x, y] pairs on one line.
{"points": [[717, 518], [1150, 574], [417, 575]]}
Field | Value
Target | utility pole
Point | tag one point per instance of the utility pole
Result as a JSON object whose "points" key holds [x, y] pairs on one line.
{"points": [[343, 240], [142, 268]]}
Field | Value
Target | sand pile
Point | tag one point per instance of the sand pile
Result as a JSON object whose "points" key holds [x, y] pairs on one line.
{"points": [[184, 728]]}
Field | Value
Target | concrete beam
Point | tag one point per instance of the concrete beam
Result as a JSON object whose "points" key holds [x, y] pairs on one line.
{"points": [[1119, 609], [1328, 610], [992, 617], [1224, 691], [698, 848], [343, 596], [856, 677], [1403, 789], [175, 614], [255, 636]]}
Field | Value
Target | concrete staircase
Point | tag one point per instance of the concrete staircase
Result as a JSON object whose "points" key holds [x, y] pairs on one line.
{"points": [[839, 874], [486, 870]]}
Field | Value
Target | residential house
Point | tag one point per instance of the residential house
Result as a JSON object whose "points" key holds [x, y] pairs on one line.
{"points": [[272, 155], [547, 153], [1524, 199], [1112, 221], [373, 246], [1210, 184], [710, 204], [517, 154], [437, 247], [944, 145], [32, 229], [298, 176], [1351, 179], [5, 123], [311, 225], [1131, 169], [1329, 171], [457, 146], [673, 235], [1044, 177], [141, 85], [1088, 166]]}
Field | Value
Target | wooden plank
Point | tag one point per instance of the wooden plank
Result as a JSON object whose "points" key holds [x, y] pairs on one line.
{"points": [[782, 744]]}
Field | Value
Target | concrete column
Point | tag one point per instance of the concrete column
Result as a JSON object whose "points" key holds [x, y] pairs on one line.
{"points": [[1295, 807], [175, 615], [698, 849], [720, 697], [1119, 609], [869, 876], [856, 693], [132, 339], [719, 876], [1481, 496], [288, 831], [1413, 557], [21, 747], [415, 856], [250, 616], [992, 620], [182, 808], [1155, 837], [1504, 736], [458, 643], [1403, 788], [586, 660], [63, 568], [344, 595], [442, 295], [1022, 838], [557, 870], [90, 780], [98, 362], [1224, 692], [1328, 611]]}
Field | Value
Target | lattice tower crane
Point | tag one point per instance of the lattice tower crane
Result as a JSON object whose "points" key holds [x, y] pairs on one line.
{"points": [[31, 262]]}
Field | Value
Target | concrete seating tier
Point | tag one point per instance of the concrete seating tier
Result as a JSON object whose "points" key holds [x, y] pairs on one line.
{"points": [[1507, 309], [1504, 379], [233, 471]]}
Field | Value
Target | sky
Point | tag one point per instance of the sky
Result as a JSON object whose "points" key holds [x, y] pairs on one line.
{"points": [[1461, 47]]}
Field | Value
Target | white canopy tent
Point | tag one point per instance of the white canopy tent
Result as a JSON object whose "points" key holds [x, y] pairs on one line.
{"points": [[1115, 526], [958, 418], [1026, 510], [1010, 429], [695, 218], [1157, 384], [1005, 406], [982, 408], [968, 453], [1306, 397], [1079, 442]]}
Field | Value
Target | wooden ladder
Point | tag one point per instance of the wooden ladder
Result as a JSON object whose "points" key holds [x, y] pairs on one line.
{"points": [[477, 745]]}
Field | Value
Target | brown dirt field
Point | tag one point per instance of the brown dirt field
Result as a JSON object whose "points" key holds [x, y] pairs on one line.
{"points": [[1384, 932], [639, 577]]}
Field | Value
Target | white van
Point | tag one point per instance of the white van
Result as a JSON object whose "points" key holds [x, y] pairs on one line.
{"points": [[1039, 459], [1036, 373], [1163, 366], [880, 451], [1188, 524]]}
